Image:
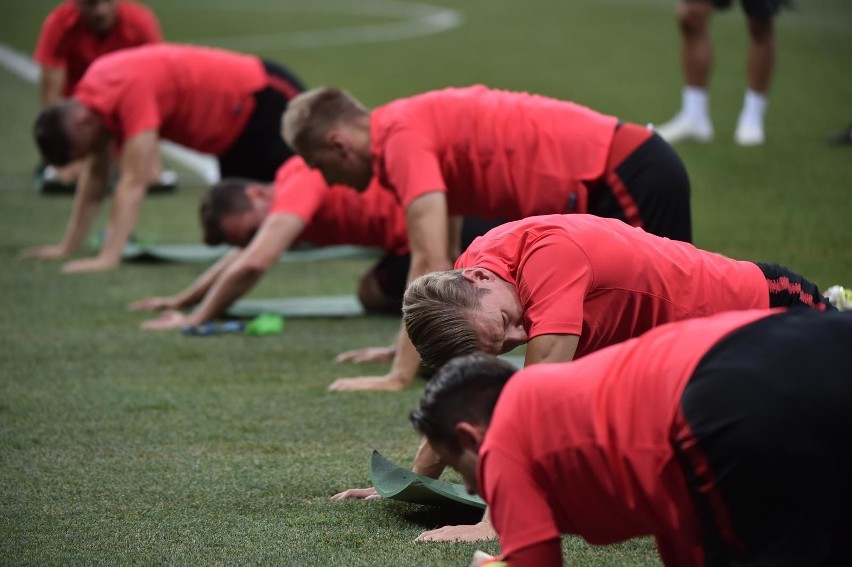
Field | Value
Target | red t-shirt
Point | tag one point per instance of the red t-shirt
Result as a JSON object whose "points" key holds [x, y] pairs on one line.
{"points": [[66, 41], [606, 281], [585, 447], [495, 154], [337, 214], [199, 97]]}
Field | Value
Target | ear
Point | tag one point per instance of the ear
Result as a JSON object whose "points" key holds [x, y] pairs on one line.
{"points": [[470, 435], [337, 141], [474, 275]]}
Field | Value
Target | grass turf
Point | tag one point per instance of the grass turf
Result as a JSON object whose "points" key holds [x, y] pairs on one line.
{"points": [[119, 446]]}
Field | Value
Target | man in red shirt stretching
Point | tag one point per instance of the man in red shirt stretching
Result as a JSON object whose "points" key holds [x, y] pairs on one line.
{"points": [[725, 438], [73, 35], [493, 154], [210, 100]]}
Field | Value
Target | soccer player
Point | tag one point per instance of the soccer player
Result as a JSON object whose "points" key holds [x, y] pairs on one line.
{"points": [[74, 34], [489, 153], [693, 121], [725, 438], [210, 100], [568, 285], [264, 221]]}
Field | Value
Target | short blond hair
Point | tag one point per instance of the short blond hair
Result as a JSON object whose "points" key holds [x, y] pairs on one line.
{"points": [[311, 114], [437, 311]]}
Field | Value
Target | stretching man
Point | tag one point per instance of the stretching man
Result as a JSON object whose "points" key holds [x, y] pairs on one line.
{"points": [[568, 285], [495, 154], [693, 123], [210, 100], [725, 438]]}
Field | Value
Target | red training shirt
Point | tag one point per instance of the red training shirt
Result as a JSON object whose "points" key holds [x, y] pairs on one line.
{"points": [[585, 447], [66, 42], [337, 214], [199, 97], [608, 282], [496, 154]]}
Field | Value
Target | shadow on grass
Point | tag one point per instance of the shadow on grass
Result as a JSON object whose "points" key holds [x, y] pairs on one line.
{"points": [[431, 517]]}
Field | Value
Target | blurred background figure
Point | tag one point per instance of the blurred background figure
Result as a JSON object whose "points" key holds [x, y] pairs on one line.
{"points": [[692, 122]]}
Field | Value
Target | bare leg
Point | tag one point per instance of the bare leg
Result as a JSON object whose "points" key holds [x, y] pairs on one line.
{"points": [[759, 65], [373, 298]]}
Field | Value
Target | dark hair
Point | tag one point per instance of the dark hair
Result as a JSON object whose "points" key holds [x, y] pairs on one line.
{"points": [[51, 136], [226, 197], [464, 389]]}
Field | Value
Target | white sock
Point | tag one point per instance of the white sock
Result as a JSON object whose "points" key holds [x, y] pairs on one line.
{"points": [[754, 107], [695, 104]]}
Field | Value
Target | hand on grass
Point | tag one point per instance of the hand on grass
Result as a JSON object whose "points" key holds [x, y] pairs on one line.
{"points": [[45, 252], [368, 354], [153, 304], [388, 383], [96, 264], [357, 493], [170, 319], [477, 532]]}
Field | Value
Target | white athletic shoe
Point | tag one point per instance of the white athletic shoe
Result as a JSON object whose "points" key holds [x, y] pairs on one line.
{"points": [[840, 297], [749, 134], [686, 129]]}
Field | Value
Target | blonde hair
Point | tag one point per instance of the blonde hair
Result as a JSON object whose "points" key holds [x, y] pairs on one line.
{"points": [[311, 114], [437, 310]]}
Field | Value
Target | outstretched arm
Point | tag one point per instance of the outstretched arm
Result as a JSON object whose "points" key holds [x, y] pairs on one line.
{"points": [[136, 158], [428, 239], [276, 234], [51, 83], [193, 293]]}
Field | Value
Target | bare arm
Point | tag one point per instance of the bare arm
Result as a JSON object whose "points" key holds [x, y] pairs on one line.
{"points": [[51, 83], [428, 239], [454, 237], [193, 293], [551, 348], [276, 234]]}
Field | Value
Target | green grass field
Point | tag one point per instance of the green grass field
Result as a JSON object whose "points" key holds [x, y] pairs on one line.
{"points": [[119, 446]]}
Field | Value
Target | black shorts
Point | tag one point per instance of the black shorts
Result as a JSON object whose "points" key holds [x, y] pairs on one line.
{"points": [[789, 289], [260, 150], [392, 270], [757, 9], [656, 179], [767, 451]]}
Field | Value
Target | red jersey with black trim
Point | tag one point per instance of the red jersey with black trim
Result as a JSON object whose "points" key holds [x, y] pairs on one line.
{"points": [[495, 154], [585, 447], [67, 42], [337, 214], [199, 97], [608, 282]]}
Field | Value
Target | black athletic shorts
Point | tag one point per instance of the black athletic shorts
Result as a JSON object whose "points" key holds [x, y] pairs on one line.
{"points": [[656, 179], [392, 270], [768, 446], [758, 9], [260, 150], [789, 289]]}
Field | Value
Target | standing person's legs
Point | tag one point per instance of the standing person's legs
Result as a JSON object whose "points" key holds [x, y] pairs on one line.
{"points": [[692, 122], [765, 441]]}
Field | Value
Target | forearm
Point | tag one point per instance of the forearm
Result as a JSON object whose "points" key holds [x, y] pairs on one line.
{"points": [[91, 189], [427, 462], [233, 284], [51, 84], [125, 212], [198, 289]]}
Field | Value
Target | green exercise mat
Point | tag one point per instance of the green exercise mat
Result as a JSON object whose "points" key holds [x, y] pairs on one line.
{"points": [[397, 483], [322, 306], [198, 253]]}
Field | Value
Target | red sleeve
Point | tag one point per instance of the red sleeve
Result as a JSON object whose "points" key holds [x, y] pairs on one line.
{"points": [[299, 191], [520, 509], [411, 166], [137, 111], [544, 554], [149, 26], [554, 277], [47, 52]]}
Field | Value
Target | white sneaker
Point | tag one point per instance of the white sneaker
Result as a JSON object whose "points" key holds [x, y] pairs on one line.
{"points": [[686, 129], [749, 134], [840, 297]]}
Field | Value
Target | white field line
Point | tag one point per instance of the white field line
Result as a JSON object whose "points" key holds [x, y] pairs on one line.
{"points": [[417, 20]]}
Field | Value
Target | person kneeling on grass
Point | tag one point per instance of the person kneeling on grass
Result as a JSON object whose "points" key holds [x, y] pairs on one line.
{"points": [[728, 439], [568, 285]]}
